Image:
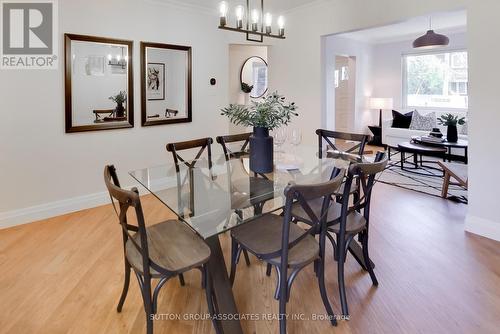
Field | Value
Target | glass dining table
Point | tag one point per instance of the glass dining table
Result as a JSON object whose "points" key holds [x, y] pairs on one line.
{"points": [[215, 200]]}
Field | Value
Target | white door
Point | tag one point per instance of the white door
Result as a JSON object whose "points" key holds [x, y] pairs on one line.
{"points": [[345, 75]]}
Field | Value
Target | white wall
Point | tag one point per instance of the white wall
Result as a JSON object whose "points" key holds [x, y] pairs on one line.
{"points": [[297, 72], [339, 46], [238, 54], [387, 67], [44, 171]]}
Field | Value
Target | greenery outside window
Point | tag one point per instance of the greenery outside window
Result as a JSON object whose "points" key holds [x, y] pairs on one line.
{"points": [[436, 80]]}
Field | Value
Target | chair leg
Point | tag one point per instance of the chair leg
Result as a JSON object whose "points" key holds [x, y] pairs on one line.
{"points": [[322, 288], [125, 287], [364, 244], [282, 311], [181, 279], [247, 259], [340, 271], [446, 184], [234, 260], [268, 269], [157, 292], [148, 305]]}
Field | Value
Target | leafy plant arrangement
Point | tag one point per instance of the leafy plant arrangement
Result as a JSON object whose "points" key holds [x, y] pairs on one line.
{"points": [[271, 113], [246, 88], [120, 98], [450, 119]]}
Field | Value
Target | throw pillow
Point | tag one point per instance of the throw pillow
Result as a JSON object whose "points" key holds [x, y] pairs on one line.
{"points": [[423, 122], [401, 121]]}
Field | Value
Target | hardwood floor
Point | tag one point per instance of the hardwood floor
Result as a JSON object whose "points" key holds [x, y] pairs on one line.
{"points": [[64, 275]]}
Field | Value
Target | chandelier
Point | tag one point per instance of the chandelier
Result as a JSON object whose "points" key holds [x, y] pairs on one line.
{"points": [[256, 22]]}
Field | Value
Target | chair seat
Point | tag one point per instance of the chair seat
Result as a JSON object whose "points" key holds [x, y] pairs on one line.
{"points": [[172, 245], [263, 236], [316, 205], [355, 224]]}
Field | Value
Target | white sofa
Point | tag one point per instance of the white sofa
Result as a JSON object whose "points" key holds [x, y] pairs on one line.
{"points": [[393, 136]]}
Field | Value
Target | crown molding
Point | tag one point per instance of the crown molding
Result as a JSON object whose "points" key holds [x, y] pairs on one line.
{"points": [[178, 4], [308, 5], [211, 11]]}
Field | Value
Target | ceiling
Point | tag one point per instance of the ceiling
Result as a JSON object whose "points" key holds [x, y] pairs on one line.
{"points": [[271, 5], [441, 22]]}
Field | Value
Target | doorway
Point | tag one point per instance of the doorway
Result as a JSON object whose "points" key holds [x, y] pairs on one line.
{"points": [[345, 93]]}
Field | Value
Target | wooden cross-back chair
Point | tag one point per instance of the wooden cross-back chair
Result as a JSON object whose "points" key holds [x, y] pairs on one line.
{"points": [[276, 240], [354, 220], [175, 249], [243, 150], [244, 138], [202, 144], [358, 149], [346, 220], [327, 135]]}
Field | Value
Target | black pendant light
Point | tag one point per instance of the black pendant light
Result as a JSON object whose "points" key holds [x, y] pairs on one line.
{"points": [[431, 40]]}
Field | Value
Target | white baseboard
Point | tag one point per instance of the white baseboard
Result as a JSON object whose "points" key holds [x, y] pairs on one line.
{"points": [[57, 208], [483, 227]]}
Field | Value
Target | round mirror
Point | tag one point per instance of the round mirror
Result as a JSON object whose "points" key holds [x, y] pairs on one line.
{"points": [[253, 77]]}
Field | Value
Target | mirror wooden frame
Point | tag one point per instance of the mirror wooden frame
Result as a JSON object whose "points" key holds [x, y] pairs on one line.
{"points": [[70, 128], [241, 75], [144, 115]]}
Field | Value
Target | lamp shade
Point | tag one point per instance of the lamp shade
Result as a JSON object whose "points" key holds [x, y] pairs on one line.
{"points": [[431, 40], [379, 103]]}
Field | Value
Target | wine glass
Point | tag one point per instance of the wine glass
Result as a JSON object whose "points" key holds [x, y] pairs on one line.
{"points": [[295, 139], [279, 139]]}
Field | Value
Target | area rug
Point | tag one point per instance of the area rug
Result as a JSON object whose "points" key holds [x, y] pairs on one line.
{"points": [[430, 181]]}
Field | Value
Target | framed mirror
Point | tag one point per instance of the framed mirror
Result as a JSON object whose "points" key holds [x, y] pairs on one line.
{"points": [[99, 83], [165, 84], [254, 74]]}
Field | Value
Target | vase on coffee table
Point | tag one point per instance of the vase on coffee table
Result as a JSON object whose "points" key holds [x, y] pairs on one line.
{"points": [[452, 134]]}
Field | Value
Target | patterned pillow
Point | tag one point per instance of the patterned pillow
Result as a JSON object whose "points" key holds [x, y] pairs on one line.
{"points": [[423, 122]]}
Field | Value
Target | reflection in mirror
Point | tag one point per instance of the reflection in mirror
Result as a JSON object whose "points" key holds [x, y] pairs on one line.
{"points": [[98, 83], [166, 83], [254, 74]]}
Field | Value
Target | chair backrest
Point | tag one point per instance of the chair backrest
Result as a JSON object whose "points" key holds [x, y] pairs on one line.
{"points": [[203, 144], [327, 135], [365, 174], [127, 199], [303, 194], [228, 153]]}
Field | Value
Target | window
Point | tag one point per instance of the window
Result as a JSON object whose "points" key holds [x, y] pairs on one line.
{"points": [[436, 80], [259, 78]]}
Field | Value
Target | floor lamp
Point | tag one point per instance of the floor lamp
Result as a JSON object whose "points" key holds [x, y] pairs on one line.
{"points": [[378, 103]]}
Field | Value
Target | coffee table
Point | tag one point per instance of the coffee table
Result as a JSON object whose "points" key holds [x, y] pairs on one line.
{"points": [[417, 152], [460, 144]]}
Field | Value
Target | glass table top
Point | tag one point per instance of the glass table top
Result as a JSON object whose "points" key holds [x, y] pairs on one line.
{"points": [[215, 200]]}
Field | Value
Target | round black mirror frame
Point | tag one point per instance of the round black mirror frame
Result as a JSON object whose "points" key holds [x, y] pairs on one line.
{"points": [[241, 75]]}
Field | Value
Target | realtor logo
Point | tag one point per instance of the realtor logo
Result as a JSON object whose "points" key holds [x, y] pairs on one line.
{"points": [[29, 34]]}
